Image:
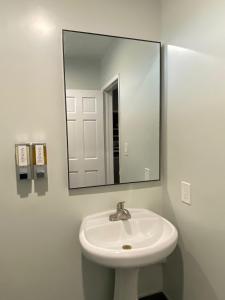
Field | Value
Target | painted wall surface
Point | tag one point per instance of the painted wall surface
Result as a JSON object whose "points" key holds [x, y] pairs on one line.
{"points": [[82, 74], [40, 256], [194, 145], [138, 66]]}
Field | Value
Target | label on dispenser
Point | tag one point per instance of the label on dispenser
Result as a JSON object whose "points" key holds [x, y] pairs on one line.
{"points": [[22, 155], [39, 152]]}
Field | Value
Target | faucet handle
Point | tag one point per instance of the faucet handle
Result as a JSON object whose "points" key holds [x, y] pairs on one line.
{"points": [[120, 205]]}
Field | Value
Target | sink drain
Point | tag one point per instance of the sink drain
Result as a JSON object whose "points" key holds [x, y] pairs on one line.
{"points": [[127, 247]]}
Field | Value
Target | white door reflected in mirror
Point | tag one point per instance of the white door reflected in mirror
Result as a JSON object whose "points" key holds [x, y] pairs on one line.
{"points": [[112, 88], [85, 137]]}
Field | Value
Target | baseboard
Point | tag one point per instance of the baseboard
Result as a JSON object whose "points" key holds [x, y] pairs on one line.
{"points": [[158, 296]]}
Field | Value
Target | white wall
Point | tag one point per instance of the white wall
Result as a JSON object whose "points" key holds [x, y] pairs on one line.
{"points": [[194, 145], [138, 66], [40, 255], [83, 74]]}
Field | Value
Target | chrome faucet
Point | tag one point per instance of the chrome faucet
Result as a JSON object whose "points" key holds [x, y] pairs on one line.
{"points": [[121, 213]]}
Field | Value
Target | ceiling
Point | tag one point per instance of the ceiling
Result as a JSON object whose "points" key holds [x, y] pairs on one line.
{"points": [[85, 45]]}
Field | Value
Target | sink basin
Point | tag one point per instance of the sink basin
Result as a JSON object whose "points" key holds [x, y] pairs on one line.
{"points": [[146, 238]]}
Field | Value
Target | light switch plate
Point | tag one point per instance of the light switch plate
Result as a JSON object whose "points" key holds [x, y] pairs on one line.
{"points": [[186, 192]]}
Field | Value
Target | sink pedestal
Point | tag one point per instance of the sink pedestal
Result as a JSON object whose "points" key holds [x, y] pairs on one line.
{"points": [[126, 284]]}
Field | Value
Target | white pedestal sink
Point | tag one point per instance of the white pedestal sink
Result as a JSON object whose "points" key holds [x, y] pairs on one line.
{"points": [[145, 239]]}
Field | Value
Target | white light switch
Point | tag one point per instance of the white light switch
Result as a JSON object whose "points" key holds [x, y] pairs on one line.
{"points": [[186, 192]]}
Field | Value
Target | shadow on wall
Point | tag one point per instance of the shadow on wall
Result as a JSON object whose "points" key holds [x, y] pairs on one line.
{"points": [[183, 277], [197, 285], [98, 281], [173, 276]]}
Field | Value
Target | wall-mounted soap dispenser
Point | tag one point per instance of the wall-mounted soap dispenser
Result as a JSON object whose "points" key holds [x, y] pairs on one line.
{"points": [[23, 161], [39, 158]]}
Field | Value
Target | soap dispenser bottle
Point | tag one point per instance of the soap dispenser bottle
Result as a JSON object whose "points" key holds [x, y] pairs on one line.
{"points": [[39, 155]]}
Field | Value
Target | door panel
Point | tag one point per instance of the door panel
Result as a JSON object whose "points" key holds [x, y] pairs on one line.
{"points": [[85, 138], [91, 178], [90, 138], [73, 137], [89, 104]]}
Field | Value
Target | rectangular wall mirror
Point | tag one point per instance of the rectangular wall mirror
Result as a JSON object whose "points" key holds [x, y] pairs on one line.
{"points": [[112, 95]]}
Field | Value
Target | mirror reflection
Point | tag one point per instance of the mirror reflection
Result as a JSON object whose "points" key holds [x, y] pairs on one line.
{"points": [[112, 91]]}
